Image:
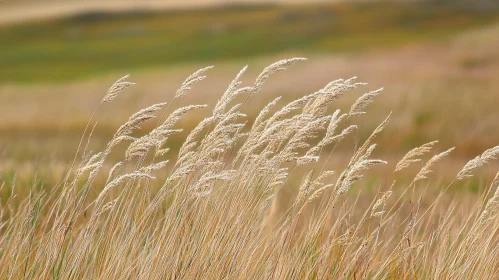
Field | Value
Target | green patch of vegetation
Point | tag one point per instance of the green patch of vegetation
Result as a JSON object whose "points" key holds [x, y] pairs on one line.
{"points": [[422, 118], [96, 43]]}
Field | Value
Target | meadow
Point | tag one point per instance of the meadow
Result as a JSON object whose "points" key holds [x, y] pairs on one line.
{"points": [[240, 201], [100, 182], [95, 43], [437, 63]]}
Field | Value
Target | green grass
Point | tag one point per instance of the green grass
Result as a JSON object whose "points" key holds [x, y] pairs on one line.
{"points": [[94, 43]]}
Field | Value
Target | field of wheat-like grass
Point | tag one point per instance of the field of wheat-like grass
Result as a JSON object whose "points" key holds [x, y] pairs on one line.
{"points": [[250, 199]]}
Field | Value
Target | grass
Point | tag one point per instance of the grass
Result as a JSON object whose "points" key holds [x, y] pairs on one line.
{"points": [[253, 200], [59, 50]]}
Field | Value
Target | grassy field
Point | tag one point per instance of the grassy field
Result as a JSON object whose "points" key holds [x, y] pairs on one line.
{"points": [[254, 197], [236, 189], [438, 63], [93, 43], [444, 90]]}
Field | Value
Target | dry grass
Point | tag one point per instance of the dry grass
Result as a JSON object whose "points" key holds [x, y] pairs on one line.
{"points": [[219, 212], [459, 75]]}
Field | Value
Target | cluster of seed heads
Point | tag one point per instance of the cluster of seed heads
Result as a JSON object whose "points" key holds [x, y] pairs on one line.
{"points": [[225, 181]]}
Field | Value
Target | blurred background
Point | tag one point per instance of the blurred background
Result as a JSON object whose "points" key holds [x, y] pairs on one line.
{"points": [[437, 60]]}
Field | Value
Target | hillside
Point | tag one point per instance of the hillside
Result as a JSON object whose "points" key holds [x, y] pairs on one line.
{"points": [[12, 11]]}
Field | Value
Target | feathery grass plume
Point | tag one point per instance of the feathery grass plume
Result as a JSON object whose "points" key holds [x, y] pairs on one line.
{"points": [[306, 187], [355, 171], [203, 186], [363, 149], [89, 167], [315, 184], [114, 170], [137, 119], [412, 155], [492, 205], [92, 160], [336, 119], [302, 137], [263, 113], [331, 92], [231, 116], [122, 178], [363, 102], [272, 69], [272, 137], [161, 152], [427, 168], [176, 116], [495, 181], [118, 86], [153, 167], [325, 174], [231, 93], [267, 132], [279, 179], [313, 153], [319, 191], [477, 162], [289, 108], [380, 203], [158, 136], [192, 79], [190, 141], [108, 206], [306, 159], [327, 95], [329, 137], [111, 94]]}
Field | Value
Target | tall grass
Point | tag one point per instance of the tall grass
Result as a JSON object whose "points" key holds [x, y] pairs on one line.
{"points": [[219, 212]]}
